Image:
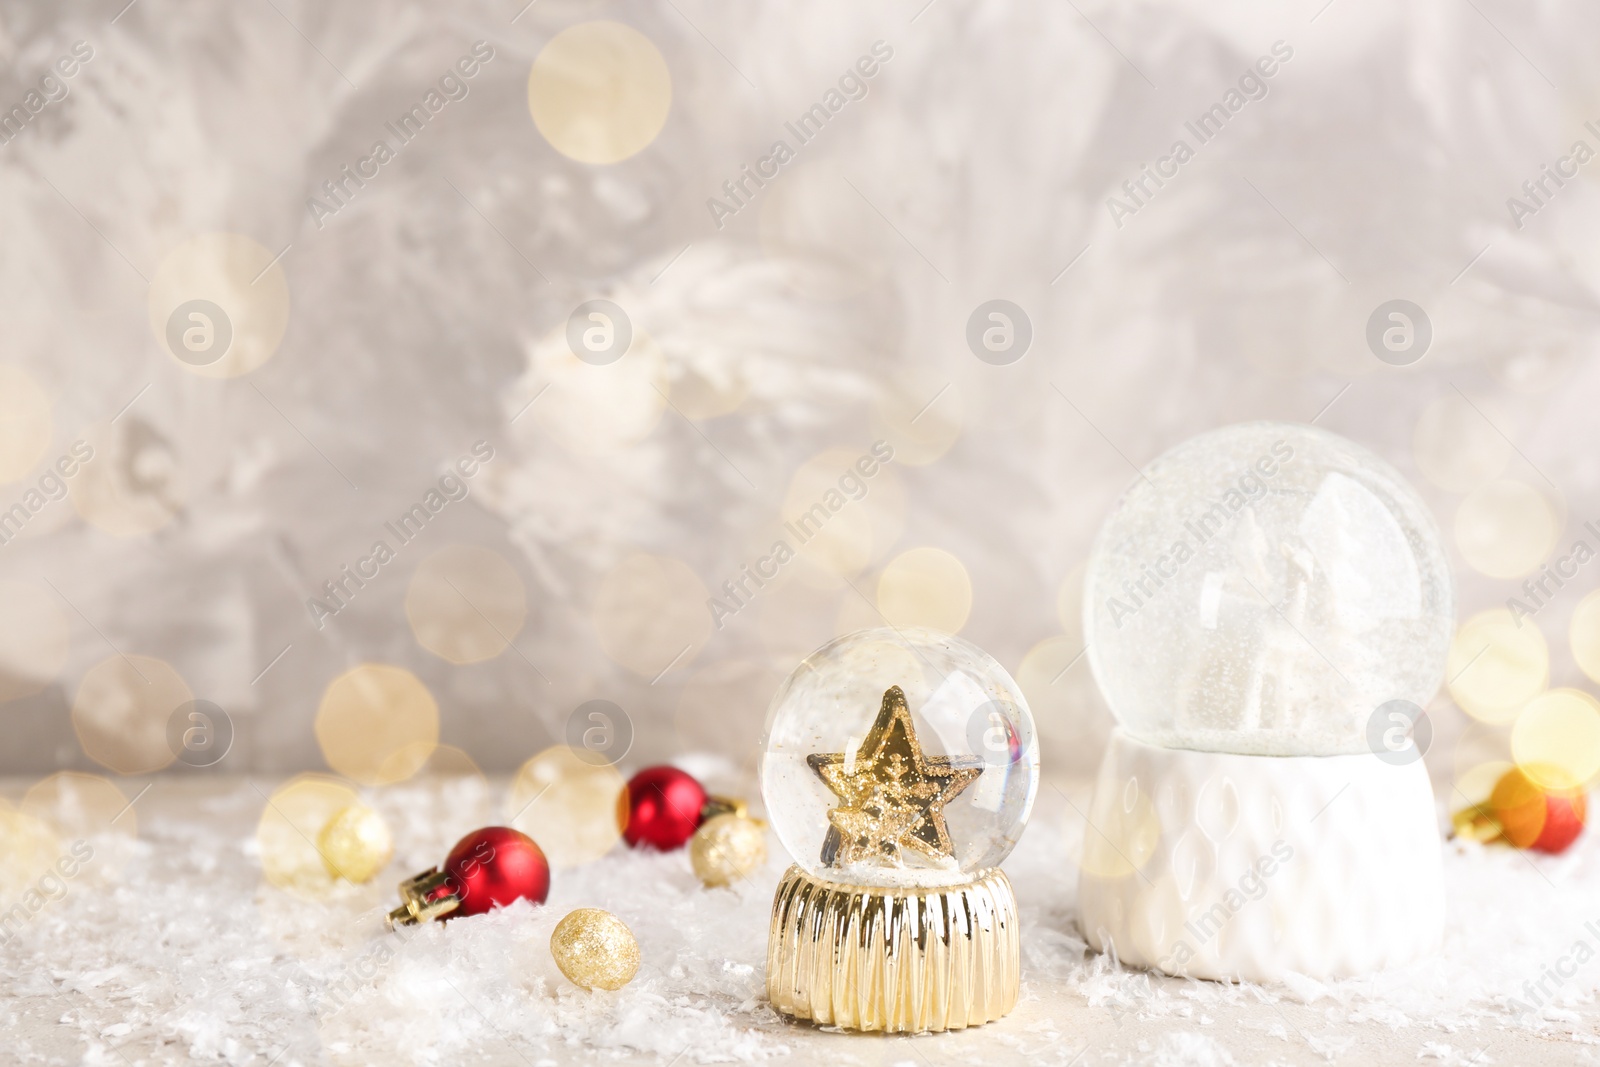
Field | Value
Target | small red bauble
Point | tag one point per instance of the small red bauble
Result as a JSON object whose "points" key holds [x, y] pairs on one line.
{"points": [[661, 808], [495, 866], [486, 869], [1536, 816]]}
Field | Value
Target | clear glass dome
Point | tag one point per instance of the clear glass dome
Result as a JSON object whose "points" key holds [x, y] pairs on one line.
{"points": [[1263, 589], [899, 758]]}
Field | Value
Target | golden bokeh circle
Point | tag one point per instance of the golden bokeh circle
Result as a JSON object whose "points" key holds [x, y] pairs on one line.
{"points": [[377, 724], [568, 805], [599, 92], [1496, 666], [1584, 633], [594, 410], [133, 485], [224, 273], [35, 636], [89, 814], [1481, 754], [466, 603], [29, 847], [650, 614], [925, 587], [1506, 528], [25, 423], [1556, 739], [81, 805], [1456, 447], [1127, 841], [1474, 784], [439, 762], [290, 825], [121, 709]]}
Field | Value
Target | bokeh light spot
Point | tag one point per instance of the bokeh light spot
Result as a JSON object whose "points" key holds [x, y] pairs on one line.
{"points": [[121, 710], [568, 805], [466, 604], [925, 587], [1135, 828], [1506, 528], [377, 724], [292, 821], [81, 805], [1496, 666], [1456, 447], [599, 92], [219, 305], [90, 817], [1584, 632], [28, 848], [1556, 739]]}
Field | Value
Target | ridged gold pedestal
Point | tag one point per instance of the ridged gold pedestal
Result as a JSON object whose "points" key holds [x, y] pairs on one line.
{"points": [[877, 958]]}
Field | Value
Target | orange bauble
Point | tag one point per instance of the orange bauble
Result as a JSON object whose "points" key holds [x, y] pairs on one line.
{"points": [[1537, 816]]}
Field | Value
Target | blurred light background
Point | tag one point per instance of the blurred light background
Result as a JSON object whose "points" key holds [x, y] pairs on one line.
{"points": [[244, 347]]}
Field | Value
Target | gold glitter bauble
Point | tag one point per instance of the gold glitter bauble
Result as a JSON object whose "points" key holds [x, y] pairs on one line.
{"points": [[356, 844], [595, 949], [726, 848]]}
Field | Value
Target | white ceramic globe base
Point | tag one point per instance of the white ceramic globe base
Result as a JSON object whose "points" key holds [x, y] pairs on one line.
{"points": [[1217, 865]]}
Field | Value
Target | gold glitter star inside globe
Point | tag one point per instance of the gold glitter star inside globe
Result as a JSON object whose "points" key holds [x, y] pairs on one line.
{"points": [[892, 796]]}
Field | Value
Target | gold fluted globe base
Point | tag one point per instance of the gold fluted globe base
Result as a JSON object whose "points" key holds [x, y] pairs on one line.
{"points": [[894, 959]]}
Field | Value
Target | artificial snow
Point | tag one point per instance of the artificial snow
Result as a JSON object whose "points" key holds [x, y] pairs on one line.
{"points": [[184, 953]]}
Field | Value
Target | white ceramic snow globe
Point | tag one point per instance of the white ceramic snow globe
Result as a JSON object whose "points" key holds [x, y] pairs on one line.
{"points": [[1268, 611], [898, 768]]}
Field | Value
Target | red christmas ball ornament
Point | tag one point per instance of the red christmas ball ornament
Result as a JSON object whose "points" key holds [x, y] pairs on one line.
{"points": [[661, 808], [1534, 814], [486, 869]]}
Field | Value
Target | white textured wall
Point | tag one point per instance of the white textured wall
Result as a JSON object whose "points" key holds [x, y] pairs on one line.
{"points": [[424, 315]]}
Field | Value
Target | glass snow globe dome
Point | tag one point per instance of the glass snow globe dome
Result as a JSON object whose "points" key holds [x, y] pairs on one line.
{"points": [[898, 758], [1263, 589]]}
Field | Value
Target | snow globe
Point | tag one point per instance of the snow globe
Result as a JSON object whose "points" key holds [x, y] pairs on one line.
{"points": [[1268, 609], [898, 768]]}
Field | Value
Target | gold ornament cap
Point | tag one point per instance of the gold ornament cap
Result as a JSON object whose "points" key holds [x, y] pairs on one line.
{"points": [[894, 959], [419, 904]]}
